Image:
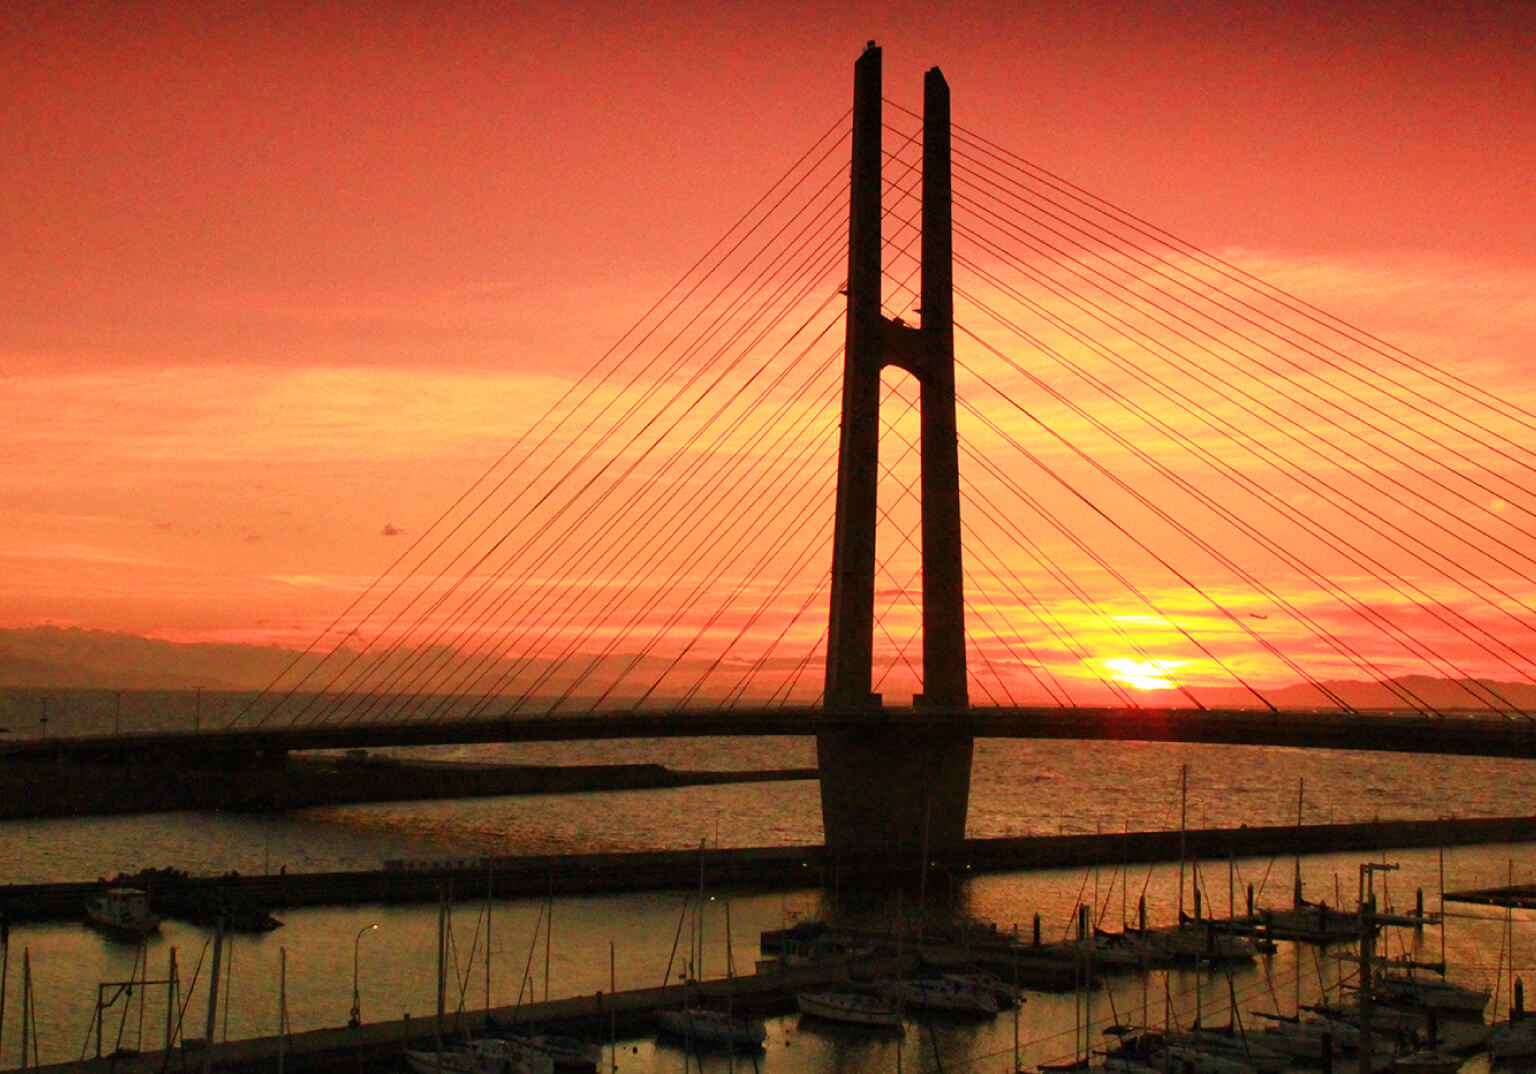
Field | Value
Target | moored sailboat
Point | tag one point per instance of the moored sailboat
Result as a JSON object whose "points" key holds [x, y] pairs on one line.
{"points": [[856, 1008]]}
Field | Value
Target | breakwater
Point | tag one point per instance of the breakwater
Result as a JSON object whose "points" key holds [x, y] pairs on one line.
{"points": [[760, 868], [33, 788]]}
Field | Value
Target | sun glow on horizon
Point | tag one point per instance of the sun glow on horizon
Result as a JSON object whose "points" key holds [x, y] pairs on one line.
{"points": [[1142, 674]]}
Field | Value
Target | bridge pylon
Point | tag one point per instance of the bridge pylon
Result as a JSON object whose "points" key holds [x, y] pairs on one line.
{"points": [[884, 791]]}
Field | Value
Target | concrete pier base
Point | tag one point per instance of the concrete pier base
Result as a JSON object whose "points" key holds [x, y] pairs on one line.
{"points": [[884, 790]]}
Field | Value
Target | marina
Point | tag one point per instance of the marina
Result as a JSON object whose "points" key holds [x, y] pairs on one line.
{"points": [[1051, 834], [932, 1006], [591, 1000]]}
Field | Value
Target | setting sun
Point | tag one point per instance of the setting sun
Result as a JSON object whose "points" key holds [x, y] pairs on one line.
{"points": [[1142, 674]]}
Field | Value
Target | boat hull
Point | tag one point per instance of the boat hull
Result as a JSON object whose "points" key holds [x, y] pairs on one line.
{"points": [[852, 1008]]}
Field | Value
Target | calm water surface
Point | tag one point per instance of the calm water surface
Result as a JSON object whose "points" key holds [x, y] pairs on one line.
{"points": [[1019, 787]]}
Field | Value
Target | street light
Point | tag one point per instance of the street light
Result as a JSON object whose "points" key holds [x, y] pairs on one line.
{"points": [[356, 1019]]}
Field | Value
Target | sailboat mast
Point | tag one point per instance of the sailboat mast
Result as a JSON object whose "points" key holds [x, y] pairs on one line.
{"points": [[26, 1001], [442, 958], [698, 922], [488, 885], [172, 1001], [213, 995], [1301, 787], [1183, 818], [5, 966], [282, 1005]]}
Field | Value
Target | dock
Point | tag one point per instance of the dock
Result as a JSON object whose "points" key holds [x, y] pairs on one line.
{"points": [[380, 1045]]}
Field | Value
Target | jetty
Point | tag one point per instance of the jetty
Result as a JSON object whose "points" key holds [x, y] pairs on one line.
{"points": [[381, 1045]]}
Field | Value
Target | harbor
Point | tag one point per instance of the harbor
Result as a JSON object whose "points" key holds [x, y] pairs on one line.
{"points": [[1105, 833], [816, 959], [940, 931]]}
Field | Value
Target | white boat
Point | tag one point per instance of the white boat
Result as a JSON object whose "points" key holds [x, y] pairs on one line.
{"points": [[1110, 952], [700, 1025], [857, 1008], [1007, 995], [122, 910], [961, 996]]}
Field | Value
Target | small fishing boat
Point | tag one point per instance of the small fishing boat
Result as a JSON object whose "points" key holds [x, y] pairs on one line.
{"points": [[856, 1008], [123, 912]]}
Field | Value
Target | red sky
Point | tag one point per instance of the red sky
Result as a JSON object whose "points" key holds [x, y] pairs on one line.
{"points": [[277, 278]]}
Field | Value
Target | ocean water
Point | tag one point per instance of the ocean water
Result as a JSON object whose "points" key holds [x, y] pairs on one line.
{"points": [[1019, 787]]}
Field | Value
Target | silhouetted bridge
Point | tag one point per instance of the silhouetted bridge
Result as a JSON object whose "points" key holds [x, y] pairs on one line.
{"points": [[622, 565], [1465, 734]]}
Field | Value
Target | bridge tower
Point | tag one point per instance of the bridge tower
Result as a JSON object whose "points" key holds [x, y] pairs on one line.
{"points": [[885, 790]]}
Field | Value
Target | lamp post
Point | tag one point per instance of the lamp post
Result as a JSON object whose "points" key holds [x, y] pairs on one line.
{"points": [[356, 1019]]}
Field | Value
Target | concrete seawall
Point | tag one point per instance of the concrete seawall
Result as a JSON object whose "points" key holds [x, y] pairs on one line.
{"points": [[759, 867]]}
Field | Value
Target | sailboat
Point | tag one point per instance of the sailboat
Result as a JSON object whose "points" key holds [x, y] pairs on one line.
{"points": [[1516, 1037], [565, 1052], [700, 1026], [855, 1008]]}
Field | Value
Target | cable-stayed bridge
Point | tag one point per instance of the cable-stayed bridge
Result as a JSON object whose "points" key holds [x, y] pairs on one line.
{"points": [[935, 444]]}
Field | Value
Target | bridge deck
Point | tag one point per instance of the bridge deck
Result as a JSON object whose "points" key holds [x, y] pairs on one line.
{"points": [[1469, 734]]}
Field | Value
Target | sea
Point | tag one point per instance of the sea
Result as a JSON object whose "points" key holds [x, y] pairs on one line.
{"points": [[511, 950]]}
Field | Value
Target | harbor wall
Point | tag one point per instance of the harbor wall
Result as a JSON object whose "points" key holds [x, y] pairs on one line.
{"points": [[761, 868]]}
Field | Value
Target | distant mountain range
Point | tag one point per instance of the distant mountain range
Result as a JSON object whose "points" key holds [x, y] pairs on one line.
{"points": [[55, 658]]}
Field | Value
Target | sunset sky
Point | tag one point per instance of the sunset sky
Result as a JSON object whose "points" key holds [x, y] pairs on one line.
{"points": [[279, 280]]}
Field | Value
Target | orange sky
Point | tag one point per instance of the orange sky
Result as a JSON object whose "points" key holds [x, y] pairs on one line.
{"points": [[278, 280]]}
